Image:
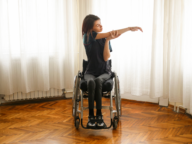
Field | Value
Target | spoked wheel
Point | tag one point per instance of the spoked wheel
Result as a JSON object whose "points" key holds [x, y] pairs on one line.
{"points": [[117, 96], [74, 96]]}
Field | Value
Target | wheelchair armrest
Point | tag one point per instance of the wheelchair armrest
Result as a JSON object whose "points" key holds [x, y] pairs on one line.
{"points": [[80, 75], [112, 75]]}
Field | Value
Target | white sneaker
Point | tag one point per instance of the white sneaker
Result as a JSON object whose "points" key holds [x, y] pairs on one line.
{"points": [[91, 124], [100, 124]]}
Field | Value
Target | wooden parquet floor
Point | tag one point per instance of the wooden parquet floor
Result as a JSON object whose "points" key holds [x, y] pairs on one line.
{"points": [[52, 123]]}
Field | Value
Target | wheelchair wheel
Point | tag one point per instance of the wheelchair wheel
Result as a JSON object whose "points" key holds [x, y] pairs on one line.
{"points": [[74, 97], [120, 107], [77, 124], [117, 96], [115, 121]]}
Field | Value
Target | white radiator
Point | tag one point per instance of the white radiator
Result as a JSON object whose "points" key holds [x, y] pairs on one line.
{"points": [[36, 95]]}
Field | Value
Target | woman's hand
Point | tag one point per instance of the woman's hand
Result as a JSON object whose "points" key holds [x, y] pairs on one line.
{"points": [[135, 28], [114, 34]]}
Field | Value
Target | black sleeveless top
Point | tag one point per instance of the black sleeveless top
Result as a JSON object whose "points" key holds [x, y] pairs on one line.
{"points": [[94, 50]]}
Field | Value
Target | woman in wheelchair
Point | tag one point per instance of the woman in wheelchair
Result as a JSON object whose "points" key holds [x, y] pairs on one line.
{"points": [[97, 46]]}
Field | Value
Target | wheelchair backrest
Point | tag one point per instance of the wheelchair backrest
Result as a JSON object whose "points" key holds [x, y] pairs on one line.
{"points": [[85, 63]]}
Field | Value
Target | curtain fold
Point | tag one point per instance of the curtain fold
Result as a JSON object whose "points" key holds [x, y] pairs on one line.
{"points": [[156, 76], [175, 39]]}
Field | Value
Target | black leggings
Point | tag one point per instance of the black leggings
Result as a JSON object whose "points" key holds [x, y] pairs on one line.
{"points": [[94, 86]]}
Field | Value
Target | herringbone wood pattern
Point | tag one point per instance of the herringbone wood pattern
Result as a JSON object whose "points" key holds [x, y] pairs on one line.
{"points": [[52, 123]]}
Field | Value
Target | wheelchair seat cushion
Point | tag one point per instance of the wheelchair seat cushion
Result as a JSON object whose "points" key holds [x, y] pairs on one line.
{"points": [[107, 85]]}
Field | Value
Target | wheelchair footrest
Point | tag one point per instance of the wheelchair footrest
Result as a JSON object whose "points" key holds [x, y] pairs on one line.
{"points": [[104, 127]]}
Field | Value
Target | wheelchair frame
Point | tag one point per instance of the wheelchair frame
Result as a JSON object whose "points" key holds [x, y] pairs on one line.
{"points": [[78, 96]]}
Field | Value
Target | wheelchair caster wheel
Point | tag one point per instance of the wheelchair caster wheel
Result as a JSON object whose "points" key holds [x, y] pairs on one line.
{"points": [[115, 124], [116, 118], [77, 120], [77, 124]]}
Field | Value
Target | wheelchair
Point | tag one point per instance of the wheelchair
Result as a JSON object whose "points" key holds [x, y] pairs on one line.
{"points": [[80, 92]]}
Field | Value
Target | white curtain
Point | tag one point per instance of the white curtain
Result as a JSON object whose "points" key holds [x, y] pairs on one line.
{"points": [[171, 58], [156, 62], [41, 45], [166, 66], [187, 56], [38, 45]]}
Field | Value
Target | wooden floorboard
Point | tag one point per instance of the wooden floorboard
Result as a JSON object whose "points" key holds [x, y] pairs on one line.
{"points": [[52, 123]]}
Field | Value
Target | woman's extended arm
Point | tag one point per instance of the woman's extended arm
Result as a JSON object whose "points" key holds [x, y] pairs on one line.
{"points": [[120, 31], [116, 32]]}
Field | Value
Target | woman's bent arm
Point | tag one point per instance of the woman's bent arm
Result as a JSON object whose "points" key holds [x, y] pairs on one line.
{"points": [[102, 35], [106, 52]]}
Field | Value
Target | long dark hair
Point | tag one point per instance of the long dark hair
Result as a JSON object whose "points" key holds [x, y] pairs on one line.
{"points": [[88, 24]]}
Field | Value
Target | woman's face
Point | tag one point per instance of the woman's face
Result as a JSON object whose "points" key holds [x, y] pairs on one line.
{"points": [[97, 26]]}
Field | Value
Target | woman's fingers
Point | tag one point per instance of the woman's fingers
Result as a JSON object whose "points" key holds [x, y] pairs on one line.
{"points": [[135, 28], [138, 28], [113, 32], [110, 33], [117, 33]]}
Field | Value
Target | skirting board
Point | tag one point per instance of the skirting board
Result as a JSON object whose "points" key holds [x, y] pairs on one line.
{"points": [[139, 98]]}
